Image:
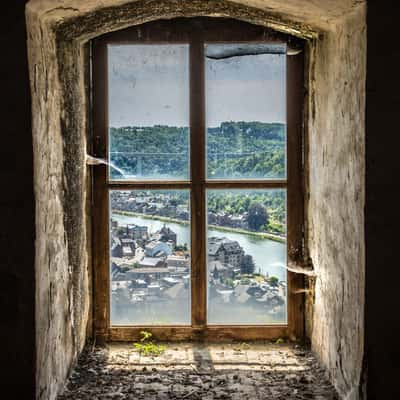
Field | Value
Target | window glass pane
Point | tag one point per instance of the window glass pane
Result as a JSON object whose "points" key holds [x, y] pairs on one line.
{"points": [[148, 112], [246, 111], [246, 262], [150, 257]]}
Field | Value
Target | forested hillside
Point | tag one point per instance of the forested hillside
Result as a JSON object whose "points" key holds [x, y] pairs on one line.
{"points": [[234, 150], [246, 149]]}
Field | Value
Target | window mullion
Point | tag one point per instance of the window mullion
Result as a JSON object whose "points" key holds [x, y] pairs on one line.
{"points": [[197, 158]]}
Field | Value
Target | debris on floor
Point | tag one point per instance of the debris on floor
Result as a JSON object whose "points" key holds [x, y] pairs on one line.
{"points": [[207, 371]]}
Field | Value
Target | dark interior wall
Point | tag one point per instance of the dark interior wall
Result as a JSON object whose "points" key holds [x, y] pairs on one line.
{"points": [[17, 338], [382, 206], [383, 200]]}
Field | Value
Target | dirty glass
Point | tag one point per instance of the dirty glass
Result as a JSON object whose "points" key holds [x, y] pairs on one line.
{"points": [[148, 112], [246, 111], [150, 257], [246, 257]]}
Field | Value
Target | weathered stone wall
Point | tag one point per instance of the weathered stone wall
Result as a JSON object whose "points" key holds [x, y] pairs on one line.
{"points": [[336, 200], [57, 33], [62, 275]]}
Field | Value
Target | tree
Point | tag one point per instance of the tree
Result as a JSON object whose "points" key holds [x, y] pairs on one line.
{"points": [[246, 203], [273, 281], [174, 202], [257, 216], [247, 266]]}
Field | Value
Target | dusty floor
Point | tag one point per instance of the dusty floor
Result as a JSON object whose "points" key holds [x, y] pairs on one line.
{"points": [[200, 371]]}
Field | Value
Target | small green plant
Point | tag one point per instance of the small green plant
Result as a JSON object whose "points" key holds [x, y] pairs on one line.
{"points": [[146, 347]]}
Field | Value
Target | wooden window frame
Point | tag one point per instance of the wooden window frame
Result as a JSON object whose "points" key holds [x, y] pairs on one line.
{"points": [[196, 32]]}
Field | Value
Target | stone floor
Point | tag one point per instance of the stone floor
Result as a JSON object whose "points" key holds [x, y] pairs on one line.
{"points": [[242, 371]]}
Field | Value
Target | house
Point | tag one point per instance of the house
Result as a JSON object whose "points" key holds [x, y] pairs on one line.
{"points": [[219, 270], [137, 232], [166, 234], [175, 261], [226, 251], [238, 221], [128, 247], [223, 219], [149, 209], [212, 218], [153, 208], [182, 212], [169, 210], [148, 274], [156, 247], [116, 247], [139, 207], [152, 262]]}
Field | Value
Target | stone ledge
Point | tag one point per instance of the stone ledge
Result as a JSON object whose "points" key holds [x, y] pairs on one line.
{"points": [[258, 370]]}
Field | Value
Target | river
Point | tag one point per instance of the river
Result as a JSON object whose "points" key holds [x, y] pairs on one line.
{"points": [[269, 256]]}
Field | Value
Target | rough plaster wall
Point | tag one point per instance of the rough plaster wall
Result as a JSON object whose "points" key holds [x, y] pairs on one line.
{"points": [[336, 201], [317, 13], [57, 33], [61, 268]]}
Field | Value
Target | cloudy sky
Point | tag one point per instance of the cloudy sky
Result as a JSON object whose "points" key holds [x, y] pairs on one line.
{"points": [[149, 85]]}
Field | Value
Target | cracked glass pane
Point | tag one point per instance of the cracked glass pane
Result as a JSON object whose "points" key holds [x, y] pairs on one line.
{"points": [[150, 257], [246, 257], [246, 111], [148, 88]]}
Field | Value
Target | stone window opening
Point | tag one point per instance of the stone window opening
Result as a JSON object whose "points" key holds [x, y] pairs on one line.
{"points": [[58, 37]]}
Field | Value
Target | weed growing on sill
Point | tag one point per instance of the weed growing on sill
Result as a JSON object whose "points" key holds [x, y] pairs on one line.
{"points": [[147, 347]]}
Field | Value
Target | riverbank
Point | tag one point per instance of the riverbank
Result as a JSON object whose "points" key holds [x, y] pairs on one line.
{"points": [[261, 235], [153, 217]]}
